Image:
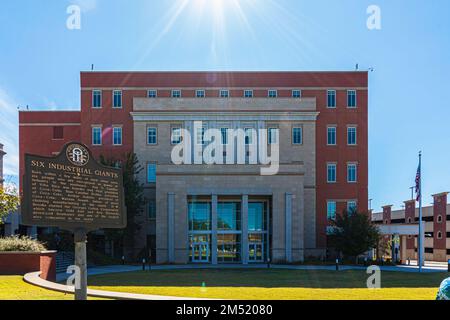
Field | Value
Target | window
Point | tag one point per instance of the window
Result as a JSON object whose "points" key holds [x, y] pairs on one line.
{"points": [[176, 93], [351, 136], [249, 135], [296, 93], [331, 210], [200, 93], [273, 135], [224, 93], [117, 136], [439, 219], [96, 98], [58, 133], [331, 98], [351, 172], [117, 99], [152, 93], [439, 235], [351, 98], [224, 134], [151, 173], [297, 137], [176, 136], [272, 93], [96, 136], [201, 135], [351, 206], [152, 136], [248, 93], [331, 136], [409, 220], [331, 173], [151, 210]]}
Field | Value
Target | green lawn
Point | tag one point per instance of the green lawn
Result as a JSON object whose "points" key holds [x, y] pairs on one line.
{"points": [[14, 288], [272, 284]]}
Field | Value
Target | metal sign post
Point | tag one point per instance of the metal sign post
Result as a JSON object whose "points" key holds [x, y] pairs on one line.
{"points": [[75, 193], [81, 263]]}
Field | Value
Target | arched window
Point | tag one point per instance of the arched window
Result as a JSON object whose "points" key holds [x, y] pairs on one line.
{"points": [[409, 220], [439, 235], [439, 219]]}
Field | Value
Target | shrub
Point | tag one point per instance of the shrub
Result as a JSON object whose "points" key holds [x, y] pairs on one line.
{"points": [[21, 244]]}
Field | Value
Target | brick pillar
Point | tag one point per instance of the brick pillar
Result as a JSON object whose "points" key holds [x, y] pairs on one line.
{"points": [[440, 226], [410, 218], [387, 214]]}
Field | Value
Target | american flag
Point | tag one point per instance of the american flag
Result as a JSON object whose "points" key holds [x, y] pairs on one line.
{"points": [[418, 184]]}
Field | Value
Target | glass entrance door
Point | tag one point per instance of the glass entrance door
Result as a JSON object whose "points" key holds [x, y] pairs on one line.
{"points": [[256, 252], [200, 252]]}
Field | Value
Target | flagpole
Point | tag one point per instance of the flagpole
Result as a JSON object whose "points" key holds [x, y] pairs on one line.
{"points": [[421, 231]]}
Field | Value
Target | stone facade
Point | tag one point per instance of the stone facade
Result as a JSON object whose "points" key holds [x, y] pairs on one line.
{"points": [[291, 192]]}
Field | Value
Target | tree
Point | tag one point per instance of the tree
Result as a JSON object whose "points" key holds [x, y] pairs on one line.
{"points": [[354, 234], [134, 197], [9, 201]]}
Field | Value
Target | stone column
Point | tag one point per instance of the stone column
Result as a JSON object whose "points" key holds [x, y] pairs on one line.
{"points": [[214, 199], [171, 227], [244, 227], [288, 226]]}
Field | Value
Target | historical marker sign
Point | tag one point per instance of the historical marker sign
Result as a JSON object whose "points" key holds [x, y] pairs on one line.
{"points": [[72, 191]]}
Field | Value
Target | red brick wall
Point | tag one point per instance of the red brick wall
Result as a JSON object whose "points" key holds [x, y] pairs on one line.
{"points": [[313, 84], [25, 262], [36, 133], [440, 209], [387, 216], [410, 213]]}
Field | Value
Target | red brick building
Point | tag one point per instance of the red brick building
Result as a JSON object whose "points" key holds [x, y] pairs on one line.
{"points": [[340, 101]]}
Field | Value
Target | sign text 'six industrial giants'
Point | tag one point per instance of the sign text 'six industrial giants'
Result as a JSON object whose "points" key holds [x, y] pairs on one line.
{"points": [[72, 191]]}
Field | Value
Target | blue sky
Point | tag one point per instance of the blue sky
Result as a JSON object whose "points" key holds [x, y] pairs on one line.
{"points": [[409, 109]]}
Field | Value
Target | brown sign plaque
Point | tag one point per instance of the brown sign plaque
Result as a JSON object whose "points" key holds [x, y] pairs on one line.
{"points": [[72, 191]]}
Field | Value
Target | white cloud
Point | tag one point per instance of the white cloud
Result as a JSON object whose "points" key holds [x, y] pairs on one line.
{"points": [[9, 134]]}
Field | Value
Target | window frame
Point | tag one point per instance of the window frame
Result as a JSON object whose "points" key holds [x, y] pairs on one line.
{"points": [[301, 135], [350, 127], [224, 93], [333, 215], [269, 93], [335, 135], [121, 136], [153, 165], [176, 94], [100, 135], [270, 136], [295, 91], [335, 99], [354, 97], [355, 205], [202, 95], [248, 91], [329, 165], [156, 135], [114, 106], [152, 96], [172, 141], [100, 94], [355, 166]]}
